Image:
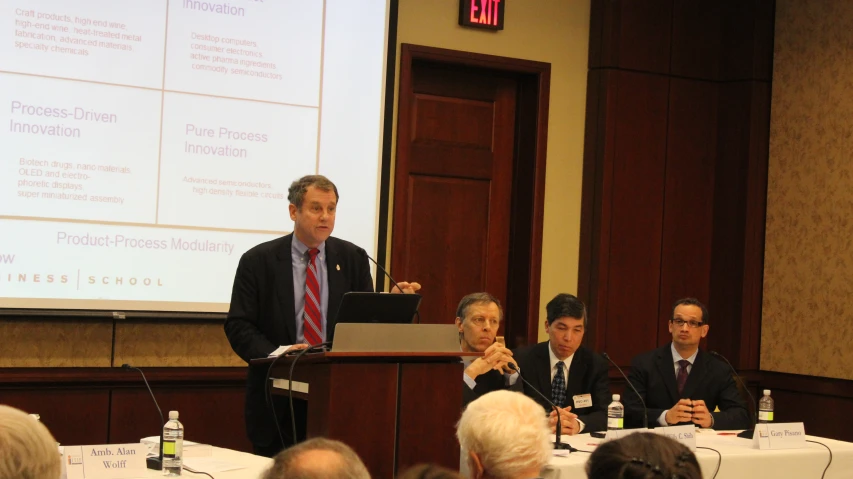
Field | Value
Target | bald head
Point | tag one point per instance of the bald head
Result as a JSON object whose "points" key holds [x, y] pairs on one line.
{"points": [[318, 458]]}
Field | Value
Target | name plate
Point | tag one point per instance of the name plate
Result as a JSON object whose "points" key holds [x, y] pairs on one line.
{"points": [[784, 435], [107, 461], [684, 434]]}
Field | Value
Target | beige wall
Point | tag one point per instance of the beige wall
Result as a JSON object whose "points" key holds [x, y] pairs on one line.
{"points": [[552, 31], [807, 318]]}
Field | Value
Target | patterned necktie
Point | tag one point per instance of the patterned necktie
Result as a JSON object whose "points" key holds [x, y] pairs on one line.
{"points": [[312, 326], [681, 379], [558, 386]]}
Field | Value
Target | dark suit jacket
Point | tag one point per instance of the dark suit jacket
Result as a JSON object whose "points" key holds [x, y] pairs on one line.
{"points": [[486, 383], [262, 314], [587, 375], [710, 380]]}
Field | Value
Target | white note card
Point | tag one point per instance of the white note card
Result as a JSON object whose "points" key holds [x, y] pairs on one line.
{"points": [[106, 461], [783, 435]]}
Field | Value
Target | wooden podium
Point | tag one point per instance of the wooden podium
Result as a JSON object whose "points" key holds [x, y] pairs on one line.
{"points": [[394, 409]]}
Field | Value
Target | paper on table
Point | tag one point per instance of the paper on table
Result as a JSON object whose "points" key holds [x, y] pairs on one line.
{"points": [[209, 464], [279, 351]]}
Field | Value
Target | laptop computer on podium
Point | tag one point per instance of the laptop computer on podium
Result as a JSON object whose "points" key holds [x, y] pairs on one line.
{"points": [[381, 322]]}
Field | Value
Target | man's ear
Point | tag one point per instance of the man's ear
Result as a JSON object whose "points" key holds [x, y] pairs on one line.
{"points": [[475, 467]]}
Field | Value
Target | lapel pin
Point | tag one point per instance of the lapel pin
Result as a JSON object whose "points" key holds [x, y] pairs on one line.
{"points": [[338, 267]]}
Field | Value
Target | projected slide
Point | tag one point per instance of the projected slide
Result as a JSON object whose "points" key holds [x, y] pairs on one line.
{"points": [[145, 146]]}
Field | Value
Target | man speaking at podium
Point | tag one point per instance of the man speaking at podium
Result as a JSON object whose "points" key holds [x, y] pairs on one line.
{"points": [[287, 292]]}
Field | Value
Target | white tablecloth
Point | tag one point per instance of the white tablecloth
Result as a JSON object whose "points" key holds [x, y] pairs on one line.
{"points": [[254, 466], [739, 459]]}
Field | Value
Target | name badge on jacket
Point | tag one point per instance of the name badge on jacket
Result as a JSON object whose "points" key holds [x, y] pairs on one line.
{"points": [[582, 401]]}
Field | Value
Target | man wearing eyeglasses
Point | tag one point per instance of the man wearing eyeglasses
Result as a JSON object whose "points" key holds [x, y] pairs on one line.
{"points": [[478, 318], [574, 377], [682, 384]]}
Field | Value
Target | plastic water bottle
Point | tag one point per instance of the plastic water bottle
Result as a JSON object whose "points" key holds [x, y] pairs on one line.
{"points": [[765, 408], [615, 414], [173, 445]]}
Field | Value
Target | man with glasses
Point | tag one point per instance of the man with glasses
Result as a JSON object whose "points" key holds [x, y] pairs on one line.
{"points": [[574, 377], [478, 318], [682, 384]]}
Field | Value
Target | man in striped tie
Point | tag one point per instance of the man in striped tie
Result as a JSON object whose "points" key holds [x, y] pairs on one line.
{"points": [[286, 296]]}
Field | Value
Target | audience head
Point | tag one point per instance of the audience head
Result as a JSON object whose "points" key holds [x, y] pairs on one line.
{"points": [[693, 317], [643, 456], [478, 317], [317, 458], [505, 435], [313, 203], [428, 471], [565, 323], [27, 449]]}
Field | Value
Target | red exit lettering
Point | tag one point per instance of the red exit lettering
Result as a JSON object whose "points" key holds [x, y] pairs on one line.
{"points": [[485, 12]]}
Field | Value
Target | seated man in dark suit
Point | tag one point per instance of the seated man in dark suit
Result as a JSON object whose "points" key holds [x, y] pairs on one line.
{"points": [[478, 318], [575, 377], [682, 384]]}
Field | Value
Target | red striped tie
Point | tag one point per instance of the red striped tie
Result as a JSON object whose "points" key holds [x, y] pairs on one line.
{"points": [[312, 329]]}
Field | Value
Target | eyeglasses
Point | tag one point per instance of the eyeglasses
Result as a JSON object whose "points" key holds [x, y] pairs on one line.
{"points": [[481, 322], [692, 324]]}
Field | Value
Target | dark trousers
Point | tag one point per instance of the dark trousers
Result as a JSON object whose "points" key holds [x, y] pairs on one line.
{"points": [[282, 412]]}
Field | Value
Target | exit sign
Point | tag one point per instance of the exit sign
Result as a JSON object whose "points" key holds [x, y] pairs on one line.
{"points": [[487, 14]]}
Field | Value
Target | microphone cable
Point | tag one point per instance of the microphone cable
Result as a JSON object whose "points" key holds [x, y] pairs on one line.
{"points": [[719, 461], [830, 457]]}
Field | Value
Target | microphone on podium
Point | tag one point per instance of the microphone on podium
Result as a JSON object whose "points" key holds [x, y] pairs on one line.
{"points": [[749, 432], [558, 443], [417, 314], [642, 401], [155, 463]]}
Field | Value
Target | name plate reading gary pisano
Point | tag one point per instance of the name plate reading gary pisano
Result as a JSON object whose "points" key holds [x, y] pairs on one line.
{"points": [[107, 461], [783, 435]]}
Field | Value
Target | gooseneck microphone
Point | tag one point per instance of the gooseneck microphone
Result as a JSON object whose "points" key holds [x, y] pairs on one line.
{"points": [[749, 432], [645, 409], [383, 271], [558, 443], [155, 463], [417, 313]]}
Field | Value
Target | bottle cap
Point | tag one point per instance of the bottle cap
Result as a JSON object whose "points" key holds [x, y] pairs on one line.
{"points": [[766, 392], [173, 414], [616, 397]]}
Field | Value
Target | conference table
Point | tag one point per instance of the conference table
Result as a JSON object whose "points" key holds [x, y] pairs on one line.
{"points": [[740, 460]]}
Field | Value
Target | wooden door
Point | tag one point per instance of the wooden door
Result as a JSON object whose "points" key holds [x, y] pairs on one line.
{"points": [[453, 184]]}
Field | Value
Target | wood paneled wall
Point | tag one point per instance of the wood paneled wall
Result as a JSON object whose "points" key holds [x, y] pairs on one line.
{"points": [[113, 406], [675, 171]]}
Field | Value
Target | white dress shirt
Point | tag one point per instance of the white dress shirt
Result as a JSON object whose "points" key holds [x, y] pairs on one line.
{"points": [[567, 363]]}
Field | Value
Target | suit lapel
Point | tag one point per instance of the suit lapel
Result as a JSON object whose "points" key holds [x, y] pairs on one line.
{"points": [[283, 285], [337, 286], [543, 368], [663, 360], [697, 373]]}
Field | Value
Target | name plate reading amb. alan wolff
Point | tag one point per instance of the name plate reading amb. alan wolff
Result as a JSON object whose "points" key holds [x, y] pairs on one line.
{"points": [[783, 435], [108, 461]]}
